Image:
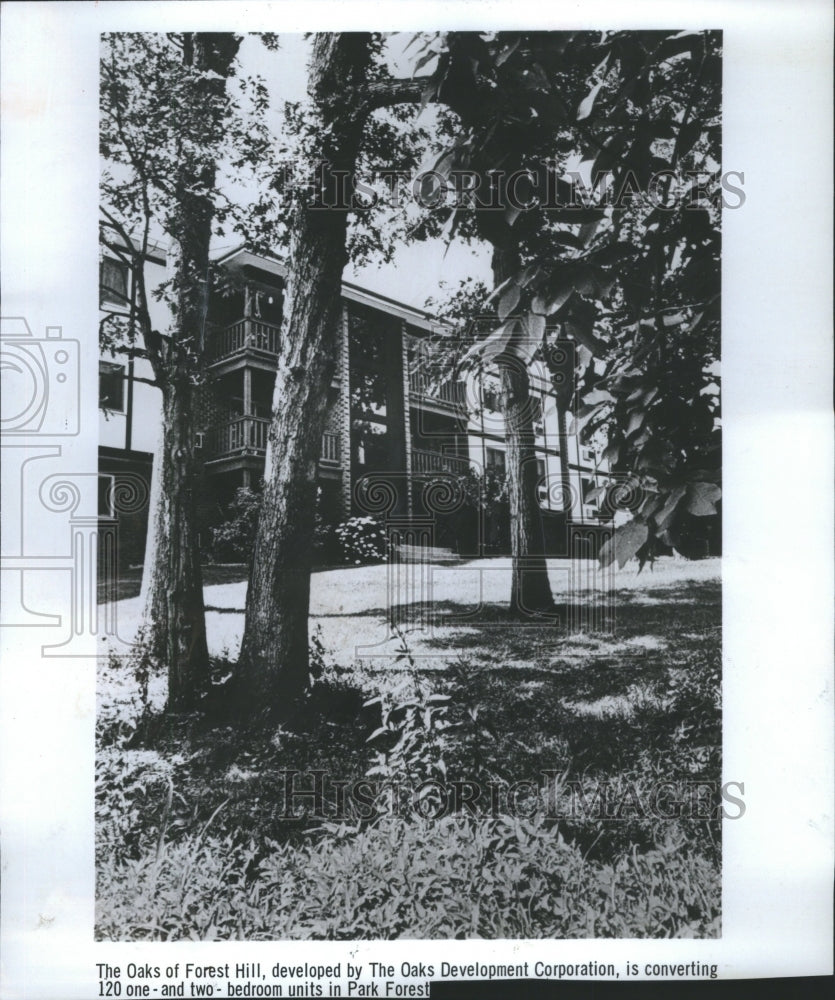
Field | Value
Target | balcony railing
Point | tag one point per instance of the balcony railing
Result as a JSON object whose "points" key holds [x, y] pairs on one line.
{"points": [[424, 462], [239, 435], [450, 393], [330, 449], [249, 434], [245, 334]]}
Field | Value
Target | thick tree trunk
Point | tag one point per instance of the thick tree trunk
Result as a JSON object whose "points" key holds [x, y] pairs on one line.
{"points": [[174, 622], [530, 588], [173, 628], [273, 666], [154, 620]]}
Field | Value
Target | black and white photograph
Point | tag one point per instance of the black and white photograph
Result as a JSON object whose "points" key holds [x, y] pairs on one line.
{"points": [[405, 457], [424, 603]]}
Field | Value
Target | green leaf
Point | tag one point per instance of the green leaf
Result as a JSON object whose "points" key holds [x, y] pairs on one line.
{"points": [[689, 135], [667, 511], [686, 41], [584, 336], [636, 419], [611, 453], [424, 59], [507, 51], [551, 304], [701, 498], [624, 543], [587, 103], [567, 239], [508, 302], [498, 290], [598, 396], [534, 328]]}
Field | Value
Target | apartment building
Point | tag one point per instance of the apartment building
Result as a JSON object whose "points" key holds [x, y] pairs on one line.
{"points": [[387, 414]]}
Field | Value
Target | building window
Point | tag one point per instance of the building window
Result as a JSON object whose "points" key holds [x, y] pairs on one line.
{"points": [[111, 387], [371, 445], [113, 281], [496, 461]]}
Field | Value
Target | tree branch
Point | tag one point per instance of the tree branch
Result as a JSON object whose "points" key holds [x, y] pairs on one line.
{"points": [[387, 93]]}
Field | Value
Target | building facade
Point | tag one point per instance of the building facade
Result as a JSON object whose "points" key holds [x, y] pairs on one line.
{"points": [[387, 415]]}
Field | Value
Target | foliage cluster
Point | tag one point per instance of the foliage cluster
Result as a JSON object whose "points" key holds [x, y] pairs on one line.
{"points": [[232, 538], [457, 877], [192, 844], [362, 540]]}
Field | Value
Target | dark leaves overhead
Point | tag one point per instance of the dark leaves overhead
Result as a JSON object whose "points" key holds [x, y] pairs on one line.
{"points": [[619, 135]]}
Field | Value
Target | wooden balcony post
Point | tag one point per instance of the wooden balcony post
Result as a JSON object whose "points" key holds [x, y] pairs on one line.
{"points": [[344, 410], [407, 412], [248, 393]]}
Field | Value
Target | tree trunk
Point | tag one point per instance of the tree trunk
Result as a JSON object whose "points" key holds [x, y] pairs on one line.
{"points": [[565, 470], [174, 621], [273, 667], [530, 587]]}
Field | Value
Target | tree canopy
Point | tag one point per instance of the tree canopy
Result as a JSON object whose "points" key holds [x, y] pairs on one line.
{"points": [[597, 158]]}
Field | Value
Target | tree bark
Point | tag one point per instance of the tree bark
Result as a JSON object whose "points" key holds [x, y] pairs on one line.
{"points": [[565, 470], [173, 627], [273, 666], [174, 619], [530, 587]]}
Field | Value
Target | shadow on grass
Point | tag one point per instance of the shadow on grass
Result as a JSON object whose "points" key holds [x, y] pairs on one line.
{"points": [[629, 707], [596, 703], [128, 583]]}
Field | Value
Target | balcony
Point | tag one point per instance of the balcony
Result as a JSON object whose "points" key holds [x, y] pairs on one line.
{"points": [[238, 437], [428, 462], [247, 437], [252, 336], [452, 395]]}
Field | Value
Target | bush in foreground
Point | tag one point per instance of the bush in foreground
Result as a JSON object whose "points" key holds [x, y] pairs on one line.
{"points": [[455, 877]]}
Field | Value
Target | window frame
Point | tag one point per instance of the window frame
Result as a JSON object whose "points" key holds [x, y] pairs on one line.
{"points": [[113, 369], [107, 292]]}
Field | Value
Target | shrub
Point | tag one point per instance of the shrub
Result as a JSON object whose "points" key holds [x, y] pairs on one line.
{"points": [[325, 545], [455, 877], [232, 538], [362, 540]]}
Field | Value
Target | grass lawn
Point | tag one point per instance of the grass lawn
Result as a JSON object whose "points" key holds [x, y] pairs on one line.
{"points": [[196, 838]]}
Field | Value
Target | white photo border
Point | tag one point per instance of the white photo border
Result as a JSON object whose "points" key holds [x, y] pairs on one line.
{"points": [[777, 508]]}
